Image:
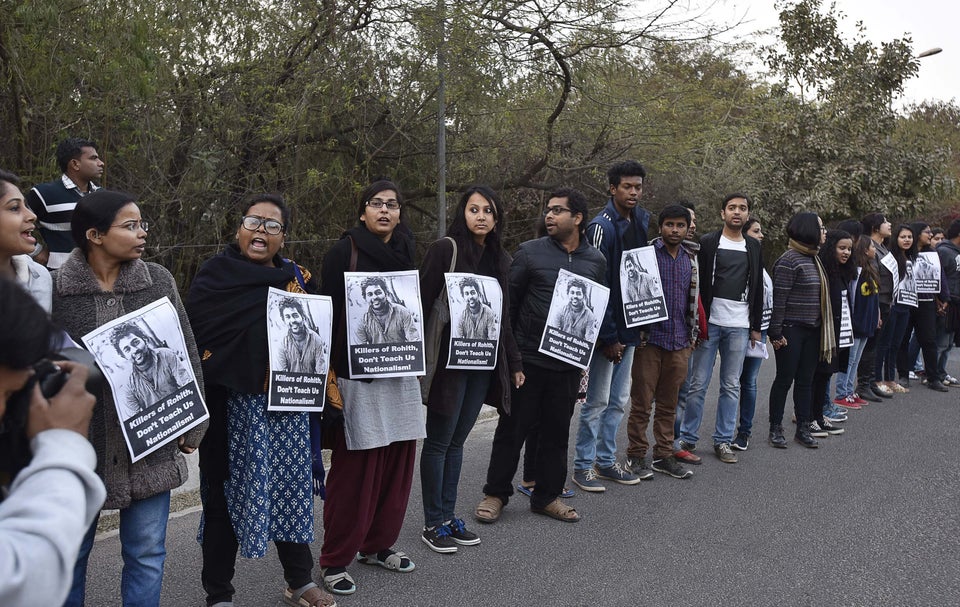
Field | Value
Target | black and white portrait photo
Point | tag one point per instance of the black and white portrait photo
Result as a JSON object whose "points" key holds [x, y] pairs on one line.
{"points": [[476, 304], [573, 321], [641, 287], [926, 272], [143, 357], [384, 324], [299, 328]]}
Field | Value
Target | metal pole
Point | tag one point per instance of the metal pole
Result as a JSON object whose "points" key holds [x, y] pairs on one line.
{"points": [[442, 123]]}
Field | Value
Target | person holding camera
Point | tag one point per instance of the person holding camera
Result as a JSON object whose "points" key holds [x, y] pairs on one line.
{"points": [[51, 502], [102, 280]]}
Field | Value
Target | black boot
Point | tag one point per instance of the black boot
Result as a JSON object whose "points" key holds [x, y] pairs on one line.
{"points": [[803, 436], [776, 436]]}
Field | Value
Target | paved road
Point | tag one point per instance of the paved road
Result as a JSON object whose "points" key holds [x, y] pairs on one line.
{"points": [[870, 518]]}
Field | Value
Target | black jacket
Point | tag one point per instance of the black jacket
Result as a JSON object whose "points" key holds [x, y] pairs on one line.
{"points": [[706, 258], [533, 274]]}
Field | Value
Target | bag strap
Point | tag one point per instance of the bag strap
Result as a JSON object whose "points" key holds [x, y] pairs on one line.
{"points": [[453, 260], [353, 254]]}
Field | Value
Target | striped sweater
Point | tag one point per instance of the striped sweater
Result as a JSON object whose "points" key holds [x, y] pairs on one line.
{"points": [[796, 293]]}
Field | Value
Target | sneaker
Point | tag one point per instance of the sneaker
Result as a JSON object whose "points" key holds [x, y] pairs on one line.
{"points": [[618, 474], [687, 457], [587, 480], [439, 539], [685, 446], [638, 467], [952, 381], [725, 454], [848, 402], [835, 418], [670, 466], [830, 428], [857, 399], [817, 432], [460, 533], [912, 375], [741, 442]]}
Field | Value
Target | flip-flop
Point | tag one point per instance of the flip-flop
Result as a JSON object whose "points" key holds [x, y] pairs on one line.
{"points": [[559, 511]]}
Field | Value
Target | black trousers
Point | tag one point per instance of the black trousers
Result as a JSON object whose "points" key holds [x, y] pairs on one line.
{"points": [[796, 363], [220, 547], [923, 321], [545, 400]]}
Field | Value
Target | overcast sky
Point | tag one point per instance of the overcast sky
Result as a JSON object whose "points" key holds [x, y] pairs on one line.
{"points": [[930, 23]]}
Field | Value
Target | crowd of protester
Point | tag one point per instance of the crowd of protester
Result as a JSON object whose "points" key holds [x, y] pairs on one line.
{"points": [[840, 307]]}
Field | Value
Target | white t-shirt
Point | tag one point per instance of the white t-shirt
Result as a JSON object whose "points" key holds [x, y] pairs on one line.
{"points": [[730, 306]]}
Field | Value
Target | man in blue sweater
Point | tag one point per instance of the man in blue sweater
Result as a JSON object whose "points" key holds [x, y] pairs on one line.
{"points": [[619, 227]]}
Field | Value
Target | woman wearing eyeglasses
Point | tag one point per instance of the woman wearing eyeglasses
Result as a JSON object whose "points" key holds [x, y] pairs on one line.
{"points": [[374, 439], [103, 279], [255, 465]]}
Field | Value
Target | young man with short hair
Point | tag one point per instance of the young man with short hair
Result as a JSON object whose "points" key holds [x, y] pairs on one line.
{"points": [[620, 226], [660, 364], [731, 288], [546, 397]]}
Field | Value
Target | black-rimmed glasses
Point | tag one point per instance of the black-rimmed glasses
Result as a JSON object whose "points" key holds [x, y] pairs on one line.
{"points": [[270, 226]]}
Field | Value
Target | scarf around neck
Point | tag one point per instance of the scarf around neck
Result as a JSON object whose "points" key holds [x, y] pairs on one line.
{"points": [[828, 341], [227, 306]]}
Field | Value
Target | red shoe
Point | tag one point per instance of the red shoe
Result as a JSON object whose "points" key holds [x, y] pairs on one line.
{"points": [[858, 400], [846, 402], [687, 457]]}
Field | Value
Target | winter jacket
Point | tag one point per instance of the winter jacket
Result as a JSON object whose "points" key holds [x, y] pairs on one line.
{"points": [[533, 274], [80, 306], [706, 258], [612, 234]]}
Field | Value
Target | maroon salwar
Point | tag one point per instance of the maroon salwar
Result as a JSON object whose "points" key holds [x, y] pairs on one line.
{"points": [[367, 493]]}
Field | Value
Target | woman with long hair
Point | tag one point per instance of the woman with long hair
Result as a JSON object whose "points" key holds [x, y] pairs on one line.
{"points": [[876, 226], [374, 438], [455, 396], [865, 319], [903, 250], [103, 279], [801, 330], [835, 258], [256, 467]]}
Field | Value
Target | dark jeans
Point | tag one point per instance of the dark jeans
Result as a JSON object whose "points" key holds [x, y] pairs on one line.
{"points": [[796, 363], [923, 320], [219, 549], [821, 395], [867, 370], [546, 399], [442, 454], [891, 334]]}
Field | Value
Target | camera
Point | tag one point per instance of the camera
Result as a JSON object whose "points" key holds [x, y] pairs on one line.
{"points": [[15, 452]]}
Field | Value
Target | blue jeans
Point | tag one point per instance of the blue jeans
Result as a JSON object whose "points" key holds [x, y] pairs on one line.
{"points": [[748, 389], [143, 534], [608, 393], [731, 344], [944, 345], [442, 454], [847, 381]]}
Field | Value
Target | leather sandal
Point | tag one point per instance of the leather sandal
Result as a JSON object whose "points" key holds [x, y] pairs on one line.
{"points": [[297, 598], [559, 511], [489, 509]]}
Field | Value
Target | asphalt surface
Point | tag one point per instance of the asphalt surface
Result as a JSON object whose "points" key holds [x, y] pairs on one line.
{"points": [[872, 517]]}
